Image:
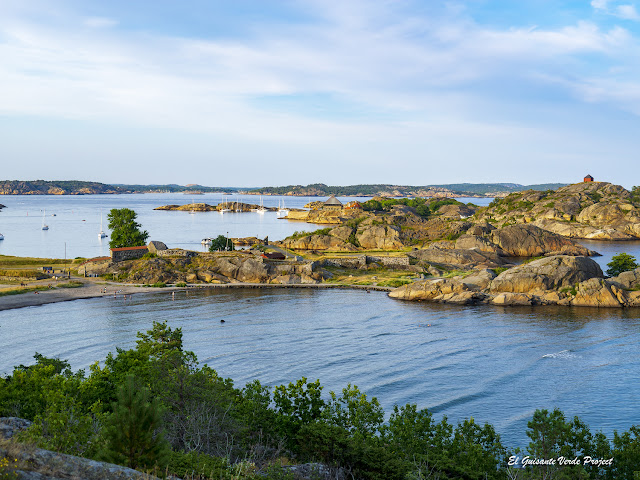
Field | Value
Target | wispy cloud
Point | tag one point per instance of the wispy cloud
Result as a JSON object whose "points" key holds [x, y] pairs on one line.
{"points": [[624, 11], [628, 12], [100, 22]]}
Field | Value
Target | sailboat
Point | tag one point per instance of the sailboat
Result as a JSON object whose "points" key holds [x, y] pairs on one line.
{"points": [[282, 211], [261, 208], [101, 233], [1, 236], [225, 208], [44, 225], [192, 211]]}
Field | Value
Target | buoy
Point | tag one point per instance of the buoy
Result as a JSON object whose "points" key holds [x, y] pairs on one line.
{"points": [[221, 321]]}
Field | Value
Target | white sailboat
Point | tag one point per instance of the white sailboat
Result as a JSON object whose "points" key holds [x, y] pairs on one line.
{"points": [[225, 208], [282, 211], [44, 225], [260, 210], [192, 211], [101, 233]]}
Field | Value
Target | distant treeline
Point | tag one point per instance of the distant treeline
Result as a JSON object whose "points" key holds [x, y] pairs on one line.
{"points": [[173, 188], [78, 187], [57, 187], [320, 189]]}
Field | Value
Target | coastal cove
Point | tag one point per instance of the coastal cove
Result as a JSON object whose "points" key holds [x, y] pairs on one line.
{"points": [[77, 221], [458, 361]]}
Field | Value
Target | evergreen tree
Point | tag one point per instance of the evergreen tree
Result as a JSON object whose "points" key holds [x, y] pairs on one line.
{"points": [[132, 432]]}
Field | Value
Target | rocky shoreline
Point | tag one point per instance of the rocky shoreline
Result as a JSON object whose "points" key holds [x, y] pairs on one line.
{"points": [[556, 280]]}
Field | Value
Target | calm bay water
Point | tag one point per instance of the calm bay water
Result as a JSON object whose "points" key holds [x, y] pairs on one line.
{"points": [[495, 364]]}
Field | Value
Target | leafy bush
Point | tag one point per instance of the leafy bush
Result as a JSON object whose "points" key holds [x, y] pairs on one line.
{"points": [[159, 285], [420, 204], [195, 465], [181, 284], [622, 262], [221, 243]]}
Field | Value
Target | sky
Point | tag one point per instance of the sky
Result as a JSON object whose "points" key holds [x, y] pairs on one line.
{"points": [[252, 93]]}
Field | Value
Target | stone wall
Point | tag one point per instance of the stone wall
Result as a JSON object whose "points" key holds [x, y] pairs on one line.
{"points": [[361, 261], [121, 255], [176, 252], [393, 262], [353, 261]]}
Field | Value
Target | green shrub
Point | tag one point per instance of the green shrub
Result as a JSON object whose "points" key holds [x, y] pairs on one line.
{"points": [[195, 465], [159, 285], [622, 262], [181, 284]]}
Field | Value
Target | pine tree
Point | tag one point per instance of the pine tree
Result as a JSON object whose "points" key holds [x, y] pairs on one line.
{"points": [[132, 435]]}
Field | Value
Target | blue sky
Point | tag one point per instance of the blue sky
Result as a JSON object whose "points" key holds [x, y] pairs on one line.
{"points": [[252, 93]]}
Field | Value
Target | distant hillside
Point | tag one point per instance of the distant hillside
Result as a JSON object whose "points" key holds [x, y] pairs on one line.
{"points": [[488, 188], [64, 187], [461, 189], [77, 187]]}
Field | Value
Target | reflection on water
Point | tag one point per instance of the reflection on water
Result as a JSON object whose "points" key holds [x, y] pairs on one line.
{"points": [[497, 364]]}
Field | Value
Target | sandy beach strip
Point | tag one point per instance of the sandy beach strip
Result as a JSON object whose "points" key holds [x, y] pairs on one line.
{"points": [[94, 290]]}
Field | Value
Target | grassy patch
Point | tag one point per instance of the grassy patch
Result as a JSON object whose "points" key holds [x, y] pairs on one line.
{"points": [[18, 291], [499, 270], [529, 260], [9, 260], [181, 284], [379, 276], [31, 274], [71, 284]]}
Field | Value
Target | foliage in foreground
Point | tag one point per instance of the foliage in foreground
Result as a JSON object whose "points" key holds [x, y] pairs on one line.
{"points": [[155, 407]]}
